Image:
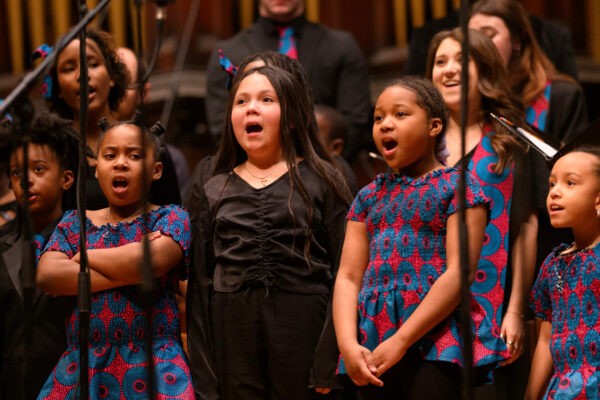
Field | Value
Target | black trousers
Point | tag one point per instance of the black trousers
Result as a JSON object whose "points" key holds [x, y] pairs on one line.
{"points": [[416, 379], [264, 342]]}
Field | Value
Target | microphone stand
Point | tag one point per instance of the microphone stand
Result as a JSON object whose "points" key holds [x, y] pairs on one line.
{"points": [[83, 299], [146, 271], [465, 311], [33, 77], [84, 284], [23, 116]]}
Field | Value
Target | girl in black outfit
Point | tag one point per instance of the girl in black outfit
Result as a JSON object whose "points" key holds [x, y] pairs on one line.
{"points": [[268, 229]]}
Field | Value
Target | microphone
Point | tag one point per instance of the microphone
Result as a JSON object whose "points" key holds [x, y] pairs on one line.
{"points": [[161, 12]]}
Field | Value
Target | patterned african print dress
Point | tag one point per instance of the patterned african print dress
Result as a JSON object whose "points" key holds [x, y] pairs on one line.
{"points": [[488, 288], [117, 360], [567, 293], [406, 226], [536, 113]]}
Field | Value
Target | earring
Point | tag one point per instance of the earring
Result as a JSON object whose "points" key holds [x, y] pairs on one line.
{"points": [[598, 212]]}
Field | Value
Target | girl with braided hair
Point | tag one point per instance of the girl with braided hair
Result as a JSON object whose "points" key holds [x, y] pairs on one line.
{"points": [[118, 363], [108, 82], [399, 265]]}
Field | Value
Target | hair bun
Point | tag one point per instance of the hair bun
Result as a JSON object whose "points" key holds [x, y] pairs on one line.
{"points": [[137, 117], [157, 129], [104, 124]]}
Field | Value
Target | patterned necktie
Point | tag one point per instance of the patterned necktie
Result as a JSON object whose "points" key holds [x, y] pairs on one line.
{"points": [[287, 43]]}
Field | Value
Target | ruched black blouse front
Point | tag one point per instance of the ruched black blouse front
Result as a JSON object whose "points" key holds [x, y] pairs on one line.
{"points": [[256, 240]]}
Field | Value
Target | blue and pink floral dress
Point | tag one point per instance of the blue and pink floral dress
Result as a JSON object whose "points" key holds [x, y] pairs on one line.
{"points": [[117, 360]]}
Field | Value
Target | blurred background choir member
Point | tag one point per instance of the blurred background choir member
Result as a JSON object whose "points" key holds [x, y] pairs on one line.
{"points": [[53, 162], [108, 82], [130, 102]]}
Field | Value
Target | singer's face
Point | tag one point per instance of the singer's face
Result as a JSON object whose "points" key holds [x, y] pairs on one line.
{"points": [[47, 180], [574, 194], [256, 116], [446, 74], [495, 29], [67, 72], [121, 163]]}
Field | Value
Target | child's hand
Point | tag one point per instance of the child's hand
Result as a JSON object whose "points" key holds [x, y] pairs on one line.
{"points": [[512, 332], [360, 367], [387, 354], [77, 258]]}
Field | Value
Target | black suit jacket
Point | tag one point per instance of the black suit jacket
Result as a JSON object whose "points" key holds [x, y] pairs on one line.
{"points": [[335, 66], [49, 315]]}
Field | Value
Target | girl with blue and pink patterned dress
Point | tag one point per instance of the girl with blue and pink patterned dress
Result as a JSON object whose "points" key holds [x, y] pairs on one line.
{"points": [[566, 292], [399, 266], [118, 358]]}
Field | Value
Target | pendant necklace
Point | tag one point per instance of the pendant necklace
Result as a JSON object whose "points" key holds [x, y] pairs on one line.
{"points": [[262, 179], [560, 283]]}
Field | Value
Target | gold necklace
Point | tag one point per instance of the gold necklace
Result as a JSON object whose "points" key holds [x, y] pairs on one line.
{"points": [[262, 179]]}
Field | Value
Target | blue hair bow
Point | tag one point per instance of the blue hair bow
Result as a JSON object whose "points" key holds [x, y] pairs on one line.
{"points": [[42, 52], [228, 67], [6, 116]]}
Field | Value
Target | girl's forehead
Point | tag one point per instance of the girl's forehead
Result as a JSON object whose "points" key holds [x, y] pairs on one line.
{"points": [[449, 46], [35, 152], [121, 135], [72, 50], [577, 161], [396, 94], [255, 81]]}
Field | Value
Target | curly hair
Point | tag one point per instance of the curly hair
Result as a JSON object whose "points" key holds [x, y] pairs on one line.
{"points": [[54, 132], [495, 98], [116, 70]]}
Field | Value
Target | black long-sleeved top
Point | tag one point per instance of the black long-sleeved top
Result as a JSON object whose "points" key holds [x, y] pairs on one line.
{"points": [[246, 236]]}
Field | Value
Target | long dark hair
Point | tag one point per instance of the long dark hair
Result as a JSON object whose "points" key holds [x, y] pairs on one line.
{"points": [[116, 70], [300, 138], [282, 61], [529, 68], [495, 98]]}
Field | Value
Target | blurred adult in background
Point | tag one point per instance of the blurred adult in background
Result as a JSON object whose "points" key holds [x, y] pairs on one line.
{"points": [[505, 271], [335, 66], [554, 40], [108, 82], [334, 132], [554, 102], [129, 104]]}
